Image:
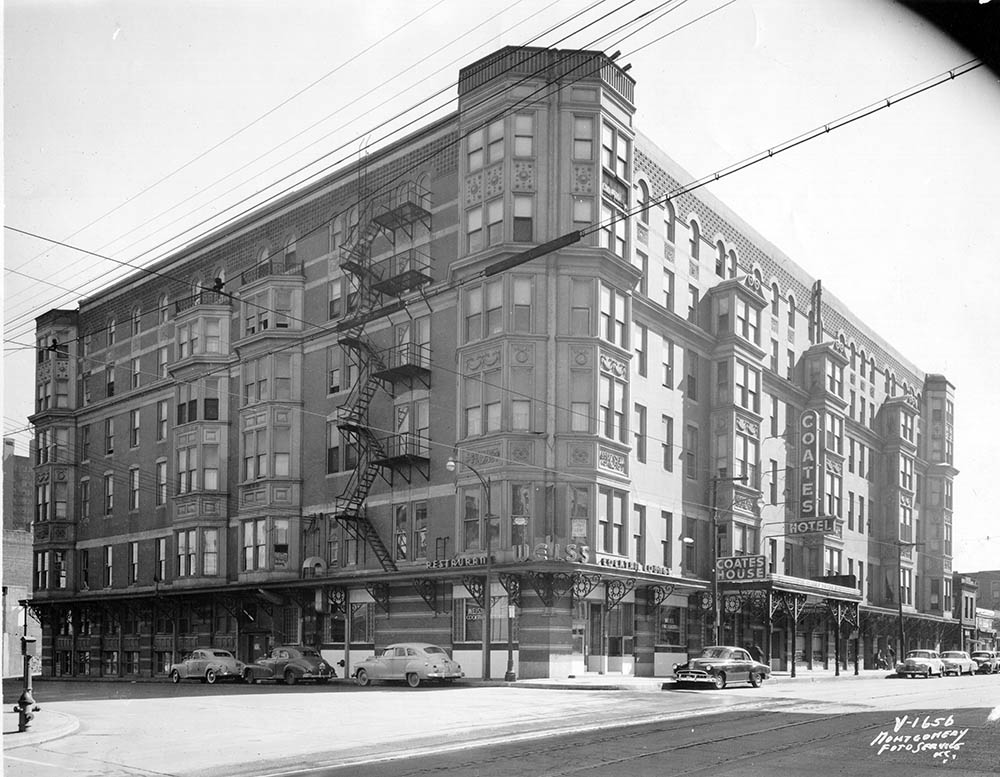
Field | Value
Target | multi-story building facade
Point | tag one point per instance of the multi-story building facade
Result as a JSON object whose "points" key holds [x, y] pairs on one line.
{"points": [[505, 364], [17, 558]]}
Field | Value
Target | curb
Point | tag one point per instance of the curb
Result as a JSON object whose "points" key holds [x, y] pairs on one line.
{"points": [[57, 725]]}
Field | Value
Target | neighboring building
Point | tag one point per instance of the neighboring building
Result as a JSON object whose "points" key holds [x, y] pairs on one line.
{"points": [[18, 475], [987, 624], [250, 444], [966, 594], [989, 587]]}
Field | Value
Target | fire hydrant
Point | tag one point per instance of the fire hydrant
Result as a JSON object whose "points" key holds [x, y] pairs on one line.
{"points": [[26, 707]]}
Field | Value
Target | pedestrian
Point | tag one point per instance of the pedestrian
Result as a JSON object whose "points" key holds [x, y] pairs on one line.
{"points": [[892, 657], [757, 653]]}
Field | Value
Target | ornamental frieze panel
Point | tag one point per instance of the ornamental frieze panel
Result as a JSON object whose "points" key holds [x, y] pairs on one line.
{"points": [[474, 188], [523, 353], [747, 426], [62, 369], [905, 500], [747, 504], [185, 439], [613, 461], [42, 476], [833, 466], [520, 452], [642, 233], [494, 181], [613, 365], [583, 179], [44, 371], [581, 455], [668, 252], [524, 177], [481, 457], [579, 357], [482, 360]]}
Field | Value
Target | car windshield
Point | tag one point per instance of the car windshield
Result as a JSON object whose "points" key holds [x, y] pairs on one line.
{"points": [[980, 654], [716, 652], [953, 654], [221, 654], [919, 654], [309, 652], [434, 649]]}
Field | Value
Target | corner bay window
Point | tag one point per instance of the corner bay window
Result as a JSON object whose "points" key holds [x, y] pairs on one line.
{"points": [[265, 544], [611, 521]]}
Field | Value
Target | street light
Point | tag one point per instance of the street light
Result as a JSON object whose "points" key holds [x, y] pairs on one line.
{"points": [[452, 465], [715, 550]]}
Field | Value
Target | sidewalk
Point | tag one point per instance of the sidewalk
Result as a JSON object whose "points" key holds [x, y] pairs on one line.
{"points": [[48, 724]]}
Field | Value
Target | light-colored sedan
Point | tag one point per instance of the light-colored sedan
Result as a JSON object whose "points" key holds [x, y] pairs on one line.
{"points": [[958, 662], [987, 662], [409, 661], [923, 663], [207, 665]]}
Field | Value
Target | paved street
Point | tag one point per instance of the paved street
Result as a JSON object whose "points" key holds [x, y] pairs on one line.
{"points": [[825, 727]]}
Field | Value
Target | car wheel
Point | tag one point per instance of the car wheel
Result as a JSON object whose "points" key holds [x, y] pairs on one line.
{"points": [[413, 679], [175, 676], [756, 679], [248, 677], [210, 676], [290, 677], [720, 681], [362, 678]]}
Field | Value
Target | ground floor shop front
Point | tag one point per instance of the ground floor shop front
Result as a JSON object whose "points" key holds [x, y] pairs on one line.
{"points": [[544, 621]]}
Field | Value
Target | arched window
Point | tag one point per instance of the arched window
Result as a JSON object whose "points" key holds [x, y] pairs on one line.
{"points": [[111, 331], [720, 259], [424, 190], [264, 255], [136, 321], [775, 299], [643, 202], [290, 251], [733, 264], [669, 221], [756, 275], [854, 356], [163, 309], [871, 370], [695, 239], [791, 312], [336, 231]]}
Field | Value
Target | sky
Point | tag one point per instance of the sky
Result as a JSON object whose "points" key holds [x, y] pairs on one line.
{"points": [[131, 128]]}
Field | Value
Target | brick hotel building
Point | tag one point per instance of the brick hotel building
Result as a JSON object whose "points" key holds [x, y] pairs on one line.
{"points": [[363, 412]]}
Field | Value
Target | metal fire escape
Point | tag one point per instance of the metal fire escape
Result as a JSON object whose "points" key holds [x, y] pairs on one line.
{"points": [[380, 455]]}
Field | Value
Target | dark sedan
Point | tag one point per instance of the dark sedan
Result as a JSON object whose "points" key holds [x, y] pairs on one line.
{"points": [[290, 664], [719, 666]]}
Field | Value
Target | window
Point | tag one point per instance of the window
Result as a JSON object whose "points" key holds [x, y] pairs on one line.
{"points": [[835, 378], [187, 552], [109, 436], [695, 243], [133, 488], [720, 260], [187, 403], [641, 262], [254, 454], [906, 472], [524, 124], [833, 491], [522, 304], [135, 373], [163, 309], [161, 419], [668, 443], [613, 315], [482, 403], [581, 306], [187, 470], [613, 232], [691, 451], [134, 428], [906, 426], [692, 312], [747, 321], [523, 220], [691, 362], [669, 221], [85, 499], [639, 532], [210, 552], [111, 331], [109, 578], [614, 151], [521, 391], [668, 362], [475, 522], [947, 540], [774, 355], [747, 386], [668, 289], [640, 432], [580, 400], [583, 211], [133, 562], [611, 529], [162, 360], [583, 137], [790, 368], [640, 336], [834, 433], [419, 546], [477, 323], [335, 298], [109, 380], [612, 402], [256, 374], [161, 560], [332, 447], [791, 312], [747, 455], [255, 544], [401, 532], [43, 497], [666, 543], [161, 483], [773, 485]]}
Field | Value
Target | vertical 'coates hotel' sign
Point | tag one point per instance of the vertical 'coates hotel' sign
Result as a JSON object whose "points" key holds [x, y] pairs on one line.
{"points": [[808, 466]]}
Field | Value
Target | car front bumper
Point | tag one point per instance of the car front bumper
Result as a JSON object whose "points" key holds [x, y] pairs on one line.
{"points": [[693, 676]]}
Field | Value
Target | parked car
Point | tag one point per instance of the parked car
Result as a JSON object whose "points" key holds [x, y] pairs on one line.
{"points": [[720, 666], [987, 661], [413, 662], [957, 662], [921, 662], [207, 665], [290, 664]]}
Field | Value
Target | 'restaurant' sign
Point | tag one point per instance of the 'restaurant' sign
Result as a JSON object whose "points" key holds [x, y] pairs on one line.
{"points": [[808, 465], [731, 569]]}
